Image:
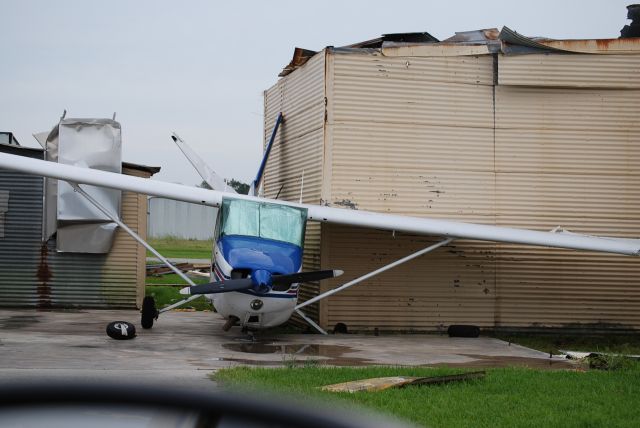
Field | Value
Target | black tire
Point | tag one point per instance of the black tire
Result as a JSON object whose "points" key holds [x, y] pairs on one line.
{"points": [[149, 312], [121, 330], [461, 330]]}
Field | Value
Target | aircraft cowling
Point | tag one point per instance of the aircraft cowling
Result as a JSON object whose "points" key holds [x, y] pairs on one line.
{"points": [[262, 281], [252, 254]]}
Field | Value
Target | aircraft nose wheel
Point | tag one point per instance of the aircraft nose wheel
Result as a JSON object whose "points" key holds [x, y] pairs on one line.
{"points": [[149, 312]]}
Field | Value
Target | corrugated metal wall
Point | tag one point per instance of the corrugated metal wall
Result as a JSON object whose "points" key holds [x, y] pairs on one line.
{"points": [[20, 249], [452, 285], [567, 154], [34, 274], [298, 149], [553, 143], [168, 218], [411, 136]]}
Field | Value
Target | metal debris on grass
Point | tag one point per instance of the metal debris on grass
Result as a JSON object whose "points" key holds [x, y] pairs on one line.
{"points": [[382, 383]]}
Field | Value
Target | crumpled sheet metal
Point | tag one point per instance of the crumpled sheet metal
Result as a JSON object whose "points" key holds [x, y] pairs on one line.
{"points": [[88, 143]]}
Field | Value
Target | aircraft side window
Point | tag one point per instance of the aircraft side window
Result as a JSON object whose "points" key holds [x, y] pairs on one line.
{"points": [[4, 207]]}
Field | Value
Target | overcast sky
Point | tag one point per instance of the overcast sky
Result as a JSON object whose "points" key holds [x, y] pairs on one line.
{"points": [[199, 67]]}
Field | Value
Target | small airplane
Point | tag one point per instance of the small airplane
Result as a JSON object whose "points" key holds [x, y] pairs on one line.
{"points": [[258, 242]]}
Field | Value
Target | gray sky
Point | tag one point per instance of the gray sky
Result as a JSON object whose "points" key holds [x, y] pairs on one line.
{"points": [[199, 67]]}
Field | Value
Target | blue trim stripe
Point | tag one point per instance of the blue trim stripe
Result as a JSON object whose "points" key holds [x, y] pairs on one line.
{"points": [[276, 295]]}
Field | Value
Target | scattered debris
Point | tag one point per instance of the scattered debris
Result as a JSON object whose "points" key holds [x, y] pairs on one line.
{"points": [[578, 355], [602, 360], [121, 330], [382, 383], [160, 269], [195, 272]]}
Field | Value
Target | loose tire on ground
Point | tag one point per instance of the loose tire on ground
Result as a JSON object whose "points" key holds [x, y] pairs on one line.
{"points": [[149, 312], [121, 330], [461, 330]]}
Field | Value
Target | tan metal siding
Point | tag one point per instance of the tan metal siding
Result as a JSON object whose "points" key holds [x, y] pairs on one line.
{"points": [[570, 109], [298, 146], [124, 269], [594, 71], [298, 150], [367, 89], [103, 281], [568, 156], [411, 136], [554, 144], [452, 285], [413, 142]]}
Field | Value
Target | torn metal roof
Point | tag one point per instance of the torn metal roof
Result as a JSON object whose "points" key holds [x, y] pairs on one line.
{"points": [[476, 42], [300, 58]]}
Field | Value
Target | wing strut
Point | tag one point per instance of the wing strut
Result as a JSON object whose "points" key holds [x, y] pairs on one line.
{"points": [[137, 237], [364, 278]]}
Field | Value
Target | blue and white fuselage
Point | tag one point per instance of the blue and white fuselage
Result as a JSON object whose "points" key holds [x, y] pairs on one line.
{"points": [[256, 240]]}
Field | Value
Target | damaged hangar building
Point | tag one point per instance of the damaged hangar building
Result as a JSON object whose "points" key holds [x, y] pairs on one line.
{"points": [[488, 127]]}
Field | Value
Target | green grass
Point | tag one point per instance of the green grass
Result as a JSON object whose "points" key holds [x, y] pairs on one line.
{"points": [[614, 343], [165, 295], [507, 397], [172, 278], [181, 248]]}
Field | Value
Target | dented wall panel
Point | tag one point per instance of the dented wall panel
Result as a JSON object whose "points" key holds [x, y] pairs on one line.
{"points": [[294, 168]]}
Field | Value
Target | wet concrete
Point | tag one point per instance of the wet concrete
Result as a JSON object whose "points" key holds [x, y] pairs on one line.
{"points": [[16, 322], [184, 347]]}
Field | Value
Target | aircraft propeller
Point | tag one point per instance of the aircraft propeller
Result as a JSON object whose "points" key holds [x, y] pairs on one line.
{"points": [[262, 281]]}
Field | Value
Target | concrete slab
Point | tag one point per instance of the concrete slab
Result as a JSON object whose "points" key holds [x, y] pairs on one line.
{"points": [[184, 347]]}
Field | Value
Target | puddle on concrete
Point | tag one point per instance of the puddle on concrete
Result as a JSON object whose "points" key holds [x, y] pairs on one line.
{"points": [[291, 349], [333, 354], [486, 361], [17, 322]]}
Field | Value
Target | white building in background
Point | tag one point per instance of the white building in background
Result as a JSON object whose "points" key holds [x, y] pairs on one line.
{"points": [[168, 218]]}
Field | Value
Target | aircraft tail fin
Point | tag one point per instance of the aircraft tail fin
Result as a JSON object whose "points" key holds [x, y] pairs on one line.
{"points": [[208, 175]]}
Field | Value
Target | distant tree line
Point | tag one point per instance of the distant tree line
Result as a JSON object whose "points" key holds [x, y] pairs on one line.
{"points": [[238, 186]]}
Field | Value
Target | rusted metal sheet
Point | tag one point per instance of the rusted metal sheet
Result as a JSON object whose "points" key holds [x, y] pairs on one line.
{"points": [[300, 58], [34, 274], [602, 46], [575, 71], [294, 168]]}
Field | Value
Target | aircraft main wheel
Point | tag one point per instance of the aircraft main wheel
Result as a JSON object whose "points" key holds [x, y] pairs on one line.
{"points": [[149, 312], [121, 330]]}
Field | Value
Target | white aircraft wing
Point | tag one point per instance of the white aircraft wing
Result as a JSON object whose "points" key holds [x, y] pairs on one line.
{"points": [[208, 175], [415, 225]]}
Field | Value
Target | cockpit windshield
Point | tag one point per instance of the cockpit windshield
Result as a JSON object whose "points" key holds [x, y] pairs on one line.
{"points": [[264, 220]]}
